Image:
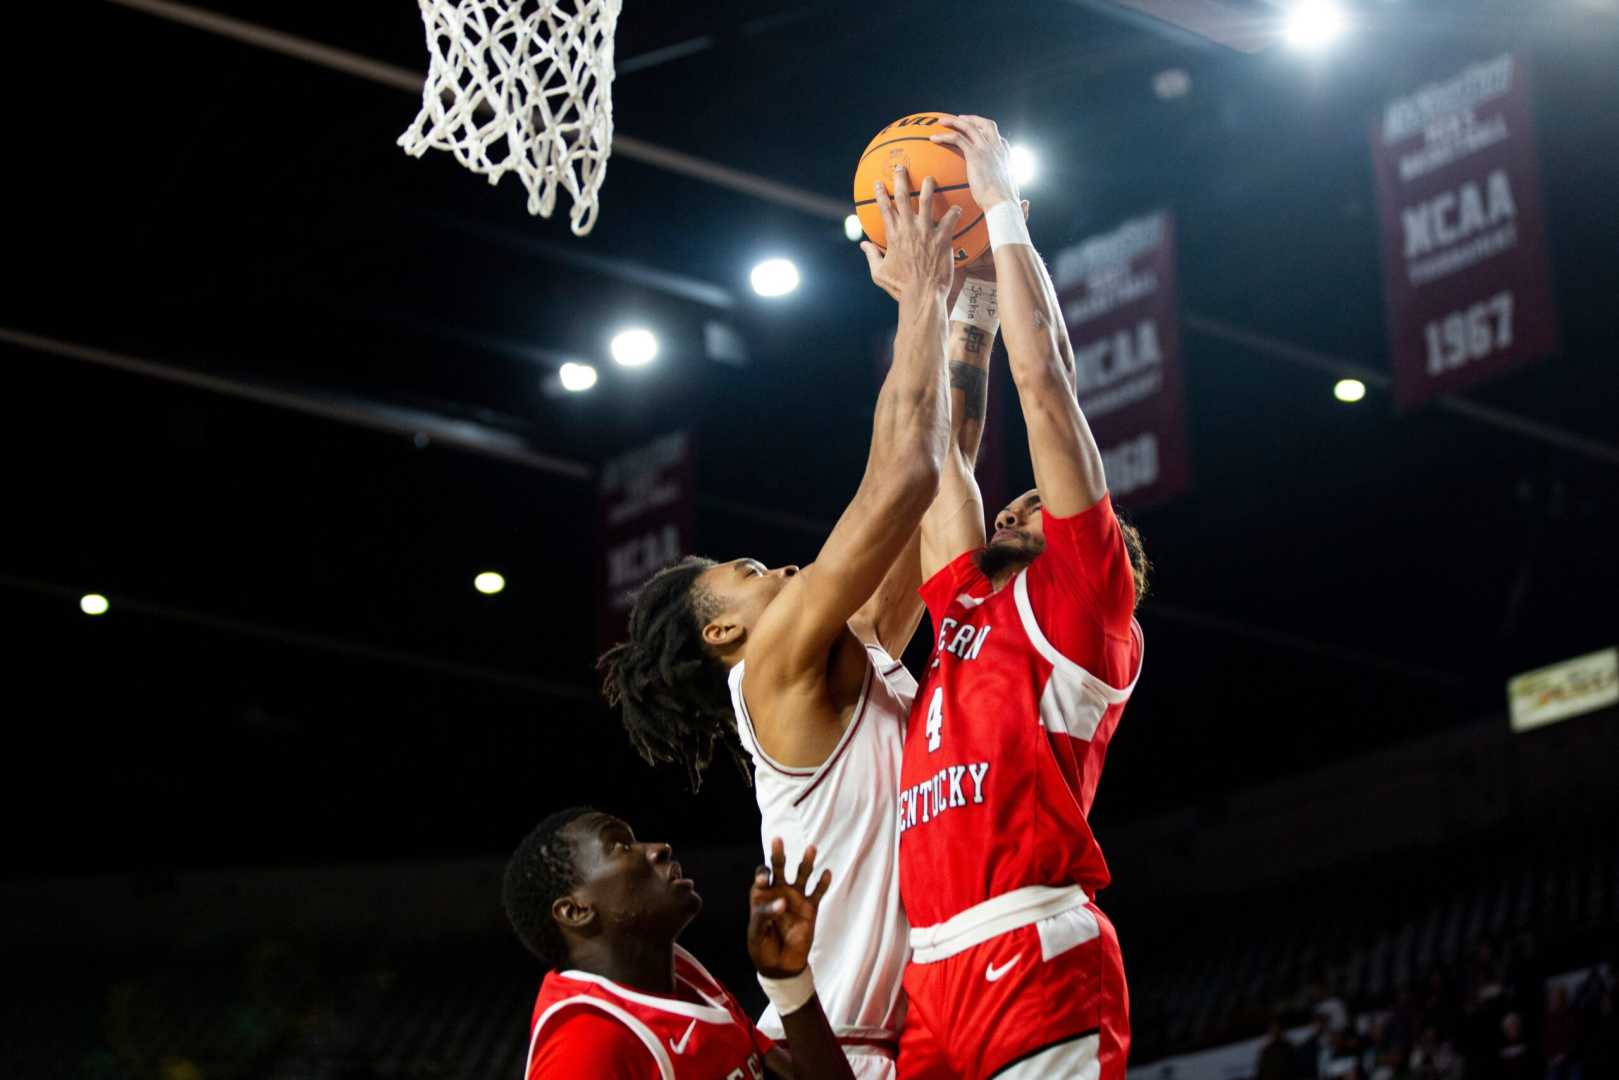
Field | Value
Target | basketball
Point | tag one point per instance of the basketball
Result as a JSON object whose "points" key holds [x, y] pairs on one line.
{"points": [[906, 142]]}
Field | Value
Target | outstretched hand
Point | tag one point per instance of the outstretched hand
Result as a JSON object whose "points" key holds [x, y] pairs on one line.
{"points": [[989, 157], [781, 926], [918, 255]]}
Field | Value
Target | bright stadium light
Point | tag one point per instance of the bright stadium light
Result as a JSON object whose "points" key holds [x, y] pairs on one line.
{"points": [[852, 228], [774, 277], [577, 377], [1349, 391], [93, 604], [1024, 165], [1313, 23], [634, 347], [489, 583]]}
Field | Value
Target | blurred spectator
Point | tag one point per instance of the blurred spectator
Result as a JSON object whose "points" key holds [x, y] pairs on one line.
{"points": [[1560, 1033], [1276, 1059], [1433, 1058], [1515, 1060], [1308, 1054], [1601, 1049]]}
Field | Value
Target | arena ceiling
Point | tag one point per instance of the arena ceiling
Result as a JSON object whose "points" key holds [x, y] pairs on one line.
{"points": [[296, 666]]}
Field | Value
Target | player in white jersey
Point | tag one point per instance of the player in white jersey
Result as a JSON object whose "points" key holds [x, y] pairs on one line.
{"points": [[801, 659]]}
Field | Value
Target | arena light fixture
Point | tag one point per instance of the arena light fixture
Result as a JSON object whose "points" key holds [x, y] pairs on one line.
{"points": [[1171, 83], [93, 604], [1025, 166], [774, 277], [634, 347], [489, 583], [1312, 24], [1349, 391], [577, 377], [852, 228]]}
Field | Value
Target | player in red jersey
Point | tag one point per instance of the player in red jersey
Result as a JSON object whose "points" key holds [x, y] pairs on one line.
{"points": [[1015, 972], [623, 1001]]}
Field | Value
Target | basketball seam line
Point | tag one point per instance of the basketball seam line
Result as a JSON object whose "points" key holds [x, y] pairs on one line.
{"points": [[917, 194], [903, 138]]}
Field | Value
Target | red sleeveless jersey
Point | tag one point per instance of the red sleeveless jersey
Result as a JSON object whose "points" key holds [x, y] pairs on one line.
{"points": [[586, 1025], [1005, 742]]}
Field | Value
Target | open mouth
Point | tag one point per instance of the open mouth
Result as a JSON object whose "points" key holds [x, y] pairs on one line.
{"points": [[679, 881]]}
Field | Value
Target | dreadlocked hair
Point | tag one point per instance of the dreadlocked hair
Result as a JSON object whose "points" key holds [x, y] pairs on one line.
{"points": [[1140, 565], [542, 870], [669, 688]]}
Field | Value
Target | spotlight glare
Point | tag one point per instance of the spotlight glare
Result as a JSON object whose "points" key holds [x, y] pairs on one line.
{"points": [[1024, 165], [1349, 390], [93, 604], [1171, 83], [774, 277], [634, 347], [489, 583], [852, 228], [577, 377], [1313, 23]]}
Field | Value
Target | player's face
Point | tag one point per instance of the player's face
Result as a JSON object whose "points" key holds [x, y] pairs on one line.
{"points": [[631, 885], [1019, 528], [742, 588]]}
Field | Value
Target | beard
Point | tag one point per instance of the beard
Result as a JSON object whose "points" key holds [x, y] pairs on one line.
{"points": [[998, 559]]}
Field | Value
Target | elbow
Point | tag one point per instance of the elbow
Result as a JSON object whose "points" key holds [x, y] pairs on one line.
{"points": [[1043, 372], [909, 487]]}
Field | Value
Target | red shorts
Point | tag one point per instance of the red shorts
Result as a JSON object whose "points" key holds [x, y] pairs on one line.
{"points": [[1016, 1005]]}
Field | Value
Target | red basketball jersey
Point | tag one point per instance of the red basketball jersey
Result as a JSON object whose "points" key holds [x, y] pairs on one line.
{"points": [[1005, 742], [586, 1025]]}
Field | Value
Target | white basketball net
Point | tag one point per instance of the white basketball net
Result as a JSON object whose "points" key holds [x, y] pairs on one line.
{"points": [[522, 86]]}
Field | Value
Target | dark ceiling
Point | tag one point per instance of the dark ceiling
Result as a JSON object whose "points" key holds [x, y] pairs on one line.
{"points": [[296, 666]]}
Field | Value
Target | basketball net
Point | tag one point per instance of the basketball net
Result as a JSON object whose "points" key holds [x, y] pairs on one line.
{"points": [[522, 86]]}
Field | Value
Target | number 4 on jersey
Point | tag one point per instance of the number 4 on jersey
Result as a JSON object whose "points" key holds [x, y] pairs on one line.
{"points": [[935, 728]]}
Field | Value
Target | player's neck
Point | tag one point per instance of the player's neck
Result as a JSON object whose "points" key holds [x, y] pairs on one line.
{"points": [[635, 963], [1004, 578]]}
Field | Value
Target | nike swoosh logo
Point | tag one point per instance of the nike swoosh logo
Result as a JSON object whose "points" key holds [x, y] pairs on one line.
{"points": [[968, 602], [680, 1047], [991, 972]]}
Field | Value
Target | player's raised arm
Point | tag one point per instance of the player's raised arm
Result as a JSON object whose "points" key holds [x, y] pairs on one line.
{"points": [[955, 521], [1067, 462], [909, 431]]}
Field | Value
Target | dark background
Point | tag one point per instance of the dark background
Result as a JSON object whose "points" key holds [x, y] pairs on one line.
{"points": [[296, 672]]}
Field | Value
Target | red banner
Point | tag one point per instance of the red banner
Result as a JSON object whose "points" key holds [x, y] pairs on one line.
{"points": [[646, 519], [1118, 298], [1464, 251]]}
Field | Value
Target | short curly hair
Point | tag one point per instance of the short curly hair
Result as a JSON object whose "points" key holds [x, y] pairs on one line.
{"points": [[541, 870]]}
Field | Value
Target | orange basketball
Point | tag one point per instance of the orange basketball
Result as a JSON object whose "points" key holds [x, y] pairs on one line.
{"points": [[906, 142]]}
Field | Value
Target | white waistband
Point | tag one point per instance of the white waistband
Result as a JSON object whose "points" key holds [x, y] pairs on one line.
{"points": [[993, 917]]}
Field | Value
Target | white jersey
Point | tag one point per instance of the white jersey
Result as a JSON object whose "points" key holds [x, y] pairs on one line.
{"points": [[845, 807]]}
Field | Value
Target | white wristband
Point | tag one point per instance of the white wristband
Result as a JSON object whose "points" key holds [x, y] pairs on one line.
{"points": [[790, 994], [976, 304], [1006, 225]]}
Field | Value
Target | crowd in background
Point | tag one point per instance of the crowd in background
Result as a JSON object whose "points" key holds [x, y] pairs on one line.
{"points": [[1498, 1018]]}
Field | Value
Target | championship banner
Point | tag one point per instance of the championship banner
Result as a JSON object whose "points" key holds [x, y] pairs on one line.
{"points": [[1464, 251], [646, 519], [1118, 298]]}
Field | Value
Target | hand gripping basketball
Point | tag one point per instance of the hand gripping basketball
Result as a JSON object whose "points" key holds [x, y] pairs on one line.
{"points": [[989, 157], [919, 255], [781, 926]]}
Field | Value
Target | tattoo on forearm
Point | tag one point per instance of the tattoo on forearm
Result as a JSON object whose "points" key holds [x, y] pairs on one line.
{"points": [[975, 340], [973, 382]]}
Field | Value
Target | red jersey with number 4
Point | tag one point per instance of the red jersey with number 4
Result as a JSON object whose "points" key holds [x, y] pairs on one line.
{"points": [[587, 1025], [1005, 742]]}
